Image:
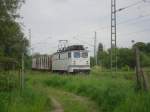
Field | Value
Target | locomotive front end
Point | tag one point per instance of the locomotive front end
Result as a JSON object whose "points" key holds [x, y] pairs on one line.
{"points": [[80, 62]]}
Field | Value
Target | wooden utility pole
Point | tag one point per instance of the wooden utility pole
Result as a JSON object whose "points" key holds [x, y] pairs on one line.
{"points": [[141, 78], [138, 68]]}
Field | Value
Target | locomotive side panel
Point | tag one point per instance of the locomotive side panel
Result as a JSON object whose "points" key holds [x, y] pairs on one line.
{"points": [[60, 62]]}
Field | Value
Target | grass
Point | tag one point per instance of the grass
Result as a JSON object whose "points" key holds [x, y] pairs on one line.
{"points": [[107, 92], [28, 100], [112, 92], [71, 102]]}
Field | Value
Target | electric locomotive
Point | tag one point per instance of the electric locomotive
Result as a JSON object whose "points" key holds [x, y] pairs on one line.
{"points": [[72, 59]]}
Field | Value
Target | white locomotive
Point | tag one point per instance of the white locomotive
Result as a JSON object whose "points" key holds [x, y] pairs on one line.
{"points": [[71, 59]]}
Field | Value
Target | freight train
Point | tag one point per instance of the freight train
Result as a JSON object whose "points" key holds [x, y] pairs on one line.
{"points": [[71, 59]]}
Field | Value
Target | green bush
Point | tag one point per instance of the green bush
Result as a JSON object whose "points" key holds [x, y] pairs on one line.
{"points": [[125, 68]]}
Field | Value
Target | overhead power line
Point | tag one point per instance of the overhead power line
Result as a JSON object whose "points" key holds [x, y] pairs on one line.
{"points": [[137, 22], [129, 6], [83, 42], [127, 21], [133, 19], [147, 1], [122, 22], [144, 30]]}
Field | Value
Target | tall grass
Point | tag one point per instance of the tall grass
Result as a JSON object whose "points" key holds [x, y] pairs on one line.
{"points": [[113, 93], [28, 100]]}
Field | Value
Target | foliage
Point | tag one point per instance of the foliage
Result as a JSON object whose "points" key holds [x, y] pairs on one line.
{"points": [[144, 47], [145, 59], [125, 56], [111, 92], [100, 48], [92, 61], [30, 100], [12, 40], [135, 103], [8, 81], [125, 68], [104, 59]]}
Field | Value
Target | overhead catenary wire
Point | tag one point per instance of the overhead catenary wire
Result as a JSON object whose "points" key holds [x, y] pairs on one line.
{"points": [[139, 21], [120, 23], [126, 21], [146, 1], [136, 32], [120, 9], [123, 22], [83, 41], [42, 41], [131, 5]]}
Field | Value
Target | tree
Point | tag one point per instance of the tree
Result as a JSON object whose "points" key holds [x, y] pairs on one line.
{"points": [[125, 58], [12, 40], [100, 47], [145, 59], [144, 53], [104, 59], [92, 61], [141, 46], [148, 47]]}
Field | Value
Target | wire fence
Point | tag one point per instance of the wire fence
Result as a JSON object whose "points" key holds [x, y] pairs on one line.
{"points": [[9, 75]]}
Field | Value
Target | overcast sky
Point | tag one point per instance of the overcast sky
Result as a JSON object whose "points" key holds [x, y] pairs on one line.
{"points": [[77, 20]]}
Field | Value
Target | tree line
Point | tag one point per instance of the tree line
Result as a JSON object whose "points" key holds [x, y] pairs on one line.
{"points": [[125, 56]]}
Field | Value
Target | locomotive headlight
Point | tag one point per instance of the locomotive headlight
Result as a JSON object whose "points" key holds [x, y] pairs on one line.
{"points": [[87, 62], [74, 62]]}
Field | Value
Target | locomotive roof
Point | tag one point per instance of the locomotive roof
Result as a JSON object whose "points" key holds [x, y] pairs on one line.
{"points": [[75, 47], [71, 48]]}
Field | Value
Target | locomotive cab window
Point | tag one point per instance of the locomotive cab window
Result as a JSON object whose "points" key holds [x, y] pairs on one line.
{"points": [[59, 56], [76, 54], [85, 55], [69, 54]]}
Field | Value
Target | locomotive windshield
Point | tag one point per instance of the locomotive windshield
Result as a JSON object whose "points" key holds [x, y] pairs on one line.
{"points": [[80, 54], [76, 54]]}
